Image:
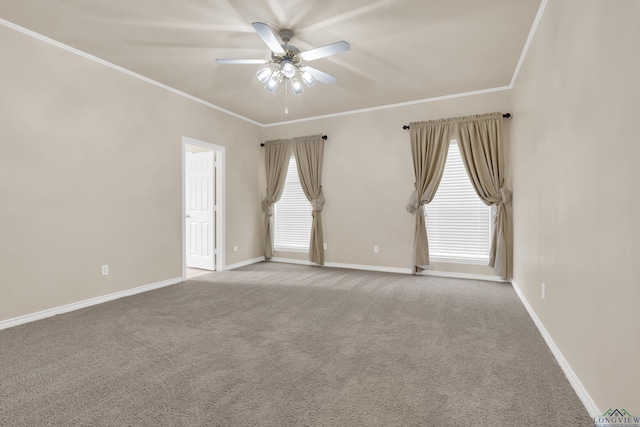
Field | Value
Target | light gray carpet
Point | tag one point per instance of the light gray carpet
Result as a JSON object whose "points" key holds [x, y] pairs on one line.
{"points": [[280, 345]]}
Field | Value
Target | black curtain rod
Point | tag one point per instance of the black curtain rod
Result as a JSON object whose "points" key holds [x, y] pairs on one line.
{"points": [[506, 116], [323, 137]]}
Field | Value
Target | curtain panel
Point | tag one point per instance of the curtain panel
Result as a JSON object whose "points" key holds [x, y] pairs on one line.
{"points": [[429, 148], [308, 151], [481, 147], [276, 160]]}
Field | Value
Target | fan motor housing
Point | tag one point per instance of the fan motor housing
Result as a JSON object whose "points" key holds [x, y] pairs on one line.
{"points": [[286, 35], [292, 54]]}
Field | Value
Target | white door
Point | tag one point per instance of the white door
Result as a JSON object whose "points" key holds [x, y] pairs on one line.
{"points": [[200, 197]]}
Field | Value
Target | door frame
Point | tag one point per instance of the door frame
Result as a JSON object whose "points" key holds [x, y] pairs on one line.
{"points": [[220, 159]]}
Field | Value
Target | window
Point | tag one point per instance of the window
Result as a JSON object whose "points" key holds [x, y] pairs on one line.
{"points": [[292, 215], [458, 222]]}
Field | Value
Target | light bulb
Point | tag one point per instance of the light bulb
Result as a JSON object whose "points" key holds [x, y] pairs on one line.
{"points": [[271, 85], [308, 78], [264, 74], [296, 86], [288, 69]]}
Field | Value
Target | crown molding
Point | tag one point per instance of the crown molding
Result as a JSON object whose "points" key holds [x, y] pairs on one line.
{"points": [[388, 106]]}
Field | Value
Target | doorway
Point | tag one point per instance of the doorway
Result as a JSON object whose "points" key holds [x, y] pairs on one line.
{"points": [[202, 207]]}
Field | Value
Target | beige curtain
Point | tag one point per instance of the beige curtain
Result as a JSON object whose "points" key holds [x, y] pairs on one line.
{"points": [[429, 148], [277, 155], [309, 153], [481, 148]]}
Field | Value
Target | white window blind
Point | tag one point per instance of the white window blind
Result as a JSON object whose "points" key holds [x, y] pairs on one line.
{"points": [[292, 215], [458, 222]]}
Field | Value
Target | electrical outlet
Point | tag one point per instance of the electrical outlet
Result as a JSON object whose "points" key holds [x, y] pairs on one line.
{"points": [[376, 249], [325, 246], [105, 270], [235, 249], [544, 291]]}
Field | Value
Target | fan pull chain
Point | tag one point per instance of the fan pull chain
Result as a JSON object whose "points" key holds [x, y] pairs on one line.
{"points": [[286, 97]]}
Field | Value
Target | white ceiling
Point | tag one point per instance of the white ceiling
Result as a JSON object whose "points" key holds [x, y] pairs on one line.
{"points": [[401, 50]]}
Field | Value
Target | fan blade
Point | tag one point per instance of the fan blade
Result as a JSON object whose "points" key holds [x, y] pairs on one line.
{"points": [[324, 51], [268, 37], [320, 75], [242, 61]]}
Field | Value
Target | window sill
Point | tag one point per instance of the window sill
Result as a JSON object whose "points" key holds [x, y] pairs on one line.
{"points": [[451, 260], [290, 249]]}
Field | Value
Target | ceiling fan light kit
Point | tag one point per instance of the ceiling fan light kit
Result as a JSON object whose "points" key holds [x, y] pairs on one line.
{"points": [[287, 68], [271, 85], [264, 74], [296, 86], [308, 78], [287, 63]]}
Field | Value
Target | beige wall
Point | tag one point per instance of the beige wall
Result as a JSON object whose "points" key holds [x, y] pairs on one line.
{"points": [[90, 174], [368, 178], [576, 190]]}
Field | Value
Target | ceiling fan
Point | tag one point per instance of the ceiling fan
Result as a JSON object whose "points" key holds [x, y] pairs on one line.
{"points": [[287, 63]]}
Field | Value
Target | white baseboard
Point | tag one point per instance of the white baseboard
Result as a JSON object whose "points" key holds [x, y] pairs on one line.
{"points": [[369, 267], [455, 275], [575, 382], [244, 263], [341, 265], [400, 270], [292, 261], [4, 324]]}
